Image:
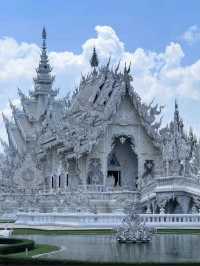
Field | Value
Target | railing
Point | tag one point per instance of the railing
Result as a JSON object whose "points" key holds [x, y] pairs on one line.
{"points": [[172, 220], [171, 183], [111, 220], [101, 188], [178, 180]]}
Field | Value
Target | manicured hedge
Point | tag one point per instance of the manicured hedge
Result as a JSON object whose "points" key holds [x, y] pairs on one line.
{"points": [[13, 245]]}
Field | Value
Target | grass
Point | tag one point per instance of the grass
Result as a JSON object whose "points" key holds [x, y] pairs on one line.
{"points": [[39, 249], [178, 231], [2, 221], [30, 231]]}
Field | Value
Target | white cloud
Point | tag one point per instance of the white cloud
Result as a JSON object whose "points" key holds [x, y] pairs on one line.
{"points": [[192, 34], [159, 75]]}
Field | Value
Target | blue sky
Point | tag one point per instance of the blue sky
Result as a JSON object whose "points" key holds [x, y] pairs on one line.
{"points": [[161, 38], [139, 23]]}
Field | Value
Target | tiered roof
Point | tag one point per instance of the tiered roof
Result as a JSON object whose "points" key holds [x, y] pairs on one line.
{"points": [[25, 126], [92, 107]]}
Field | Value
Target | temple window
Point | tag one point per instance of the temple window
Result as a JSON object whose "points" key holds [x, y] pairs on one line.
{"points": [[52, 182], [59, 181], [67, 180]]}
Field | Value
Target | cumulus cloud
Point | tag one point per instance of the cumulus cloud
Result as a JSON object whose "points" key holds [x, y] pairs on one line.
{"points": [[156, 75], [192, 34]]}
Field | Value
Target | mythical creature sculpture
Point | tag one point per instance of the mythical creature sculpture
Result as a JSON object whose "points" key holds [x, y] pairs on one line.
{"points": [[133, 229], [148, 168], [95, 175]]}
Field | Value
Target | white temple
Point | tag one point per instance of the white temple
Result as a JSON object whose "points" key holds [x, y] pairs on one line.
{"points": [[97, 150]]}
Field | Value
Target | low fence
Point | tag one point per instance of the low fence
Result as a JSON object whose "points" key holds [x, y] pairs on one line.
{"points": [[110, 220], [172, 220]]}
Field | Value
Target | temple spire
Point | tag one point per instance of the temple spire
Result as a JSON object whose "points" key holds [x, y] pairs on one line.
{"points": [[44, 36], [44, 79], [94, 61], [178, 122], [176, 111], [44, 56]]}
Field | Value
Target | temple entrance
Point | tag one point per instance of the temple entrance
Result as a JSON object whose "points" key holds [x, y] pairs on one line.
{"points": [[173, 206], [122, 164], [116, 175]]}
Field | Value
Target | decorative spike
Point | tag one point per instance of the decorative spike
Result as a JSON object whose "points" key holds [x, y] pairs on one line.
{"points": [[82, 77], [176, 105], [21, 94], [150, 105], [44, 34], [12, 106], [5, 119], [19, 91], [125, 70], [107, 66], [129, 68], [94, 61], [44, 37], [4, 145], [117, 68]]}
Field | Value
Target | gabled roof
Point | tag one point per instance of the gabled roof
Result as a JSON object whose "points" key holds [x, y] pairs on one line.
{"points": [[92, 107]]}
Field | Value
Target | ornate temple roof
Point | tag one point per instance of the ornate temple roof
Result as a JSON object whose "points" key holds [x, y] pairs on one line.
{"points": [[75, 125], [26, 124], [92, 106]]}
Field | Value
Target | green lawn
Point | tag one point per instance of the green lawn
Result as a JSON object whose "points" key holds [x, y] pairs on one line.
{"points": [[39, 249], [29, 231], [178, 231], [6, 221]]}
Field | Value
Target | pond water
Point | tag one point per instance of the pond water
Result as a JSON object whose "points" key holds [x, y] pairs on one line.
{"points": [[163, 248]]}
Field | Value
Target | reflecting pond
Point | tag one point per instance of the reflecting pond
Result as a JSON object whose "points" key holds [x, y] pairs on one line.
{"points": [[163, 248]]}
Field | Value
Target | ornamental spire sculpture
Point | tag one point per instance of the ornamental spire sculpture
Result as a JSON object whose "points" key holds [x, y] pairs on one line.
{"points": [[94, 61], [44, 79], [178, 122]]}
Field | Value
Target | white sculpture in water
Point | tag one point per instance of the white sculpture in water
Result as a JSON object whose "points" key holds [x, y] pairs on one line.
{"points": [[133, 229]]}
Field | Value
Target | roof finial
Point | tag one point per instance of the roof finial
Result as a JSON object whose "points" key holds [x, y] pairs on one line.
{"points": [[44, 34], [44, 37], [177, 120], [176, 105], [5, 119], [94, 61]]}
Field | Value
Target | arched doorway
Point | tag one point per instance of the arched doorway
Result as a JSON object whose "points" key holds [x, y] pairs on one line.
{"points": [[173, 206], [122, 164]]}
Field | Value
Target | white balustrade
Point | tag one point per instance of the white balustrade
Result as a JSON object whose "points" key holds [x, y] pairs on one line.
{"points": [[170, 183], [104, 220]]}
